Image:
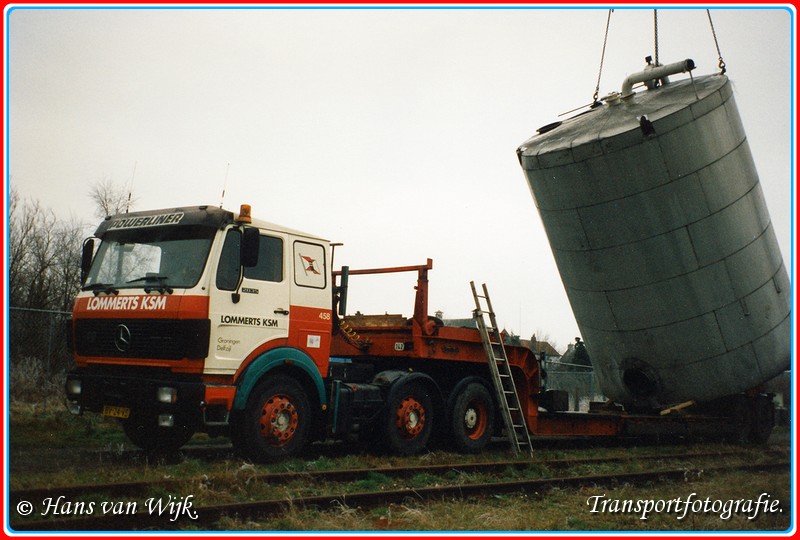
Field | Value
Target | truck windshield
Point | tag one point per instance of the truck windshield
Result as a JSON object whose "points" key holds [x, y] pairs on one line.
{"points": [[150, 257]]}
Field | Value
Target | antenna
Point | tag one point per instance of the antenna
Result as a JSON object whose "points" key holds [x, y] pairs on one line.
{"points": [[225, 185], [130, 188]]}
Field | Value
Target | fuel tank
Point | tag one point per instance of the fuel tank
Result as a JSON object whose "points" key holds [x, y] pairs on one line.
{"points": [[656, 219]]}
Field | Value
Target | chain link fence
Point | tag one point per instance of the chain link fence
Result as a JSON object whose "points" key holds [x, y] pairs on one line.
{"points": [[38, 353], [578, 381]]}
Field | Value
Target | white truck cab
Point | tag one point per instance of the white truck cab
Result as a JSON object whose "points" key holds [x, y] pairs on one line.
{"points": [[182, 310]]}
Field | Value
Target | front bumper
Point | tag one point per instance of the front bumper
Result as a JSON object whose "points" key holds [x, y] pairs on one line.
{"points": [[142, 397]]}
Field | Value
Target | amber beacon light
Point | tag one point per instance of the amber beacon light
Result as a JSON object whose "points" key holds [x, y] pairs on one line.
{"points": [[244, 214]]}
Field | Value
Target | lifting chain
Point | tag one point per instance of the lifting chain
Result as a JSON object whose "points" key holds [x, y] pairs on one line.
{"points": [[656, 59], [602, 57], [655, 36], [716, 43]]}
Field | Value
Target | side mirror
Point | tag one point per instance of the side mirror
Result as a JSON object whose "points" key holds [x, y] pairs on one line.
{"points": [[86, 257], [248, 253]]}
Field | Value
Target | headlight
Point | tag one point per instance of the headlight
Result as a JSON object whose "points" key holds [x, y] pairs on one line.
{"points": [[74, 387], [74, 407], [167, 394]]}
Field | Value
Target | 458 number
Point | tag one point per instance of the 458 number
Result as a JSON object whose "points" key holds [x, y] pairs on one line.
{"points": [[325, 315]]}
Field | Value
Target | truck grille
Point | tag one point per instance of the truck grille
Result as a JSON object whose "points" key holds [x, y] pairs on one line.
{"points": [[142, 338]]}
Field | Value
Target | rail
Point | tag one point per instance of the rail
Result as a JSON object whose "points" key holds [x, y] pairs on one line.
{"points": [[206, 516]]}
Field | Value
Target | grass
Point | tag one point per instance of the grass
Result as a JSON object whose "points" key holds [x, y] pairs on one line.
{"points": [[373, 482], [37, 425], [40, 431], [553, 510]]}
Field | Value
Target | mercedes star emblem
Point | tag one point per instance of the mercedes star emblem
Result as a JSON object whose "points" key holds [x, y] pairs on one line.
{"points": [[122, 338]]}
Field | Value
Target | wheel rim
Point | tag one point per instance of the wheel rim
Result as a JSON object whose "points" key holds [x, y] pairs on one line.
{"points": [[410, 417], [475, 419], [279, 420]]}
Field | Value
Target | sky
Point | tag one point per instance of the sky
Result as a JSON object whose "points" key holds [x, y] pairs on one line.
{"points": [[393, 131]]}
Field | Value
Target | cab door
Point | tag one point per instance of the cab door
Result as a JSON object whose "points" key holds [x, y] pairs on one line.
{"points": [[251, 316]]}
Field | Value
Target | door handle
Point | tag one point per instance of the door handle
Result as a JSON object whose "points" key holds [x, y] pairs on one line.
{"points": [[281, 311]]}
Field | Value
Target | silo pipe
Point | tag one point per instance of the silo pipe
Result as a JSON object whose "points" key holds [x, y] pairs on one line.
{"points": [[655, 72]]}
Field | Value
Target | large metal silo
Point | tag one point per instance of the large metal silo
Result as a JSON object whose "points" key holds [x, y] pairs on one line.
{"points": [[656, 219]]}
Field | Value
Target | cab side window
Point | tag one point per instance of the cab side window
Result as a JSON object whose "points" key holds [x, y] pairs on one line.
{"points": [[270, 260], [228, 269], [269, 267]]}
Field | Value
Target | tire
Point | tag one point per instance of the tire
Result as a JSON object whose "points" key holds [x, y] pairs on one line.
{"points": [[472, 419], [408, 422], [145, 433], [276, 422]]}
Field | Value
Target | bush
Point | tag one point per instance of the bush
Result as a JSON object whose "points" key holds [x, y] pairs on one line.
{"points": [[30, 382]]}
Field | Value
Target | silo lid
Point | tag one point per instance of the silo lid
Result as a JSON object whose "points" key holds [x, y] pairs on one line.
{"points": [[621, 117]]}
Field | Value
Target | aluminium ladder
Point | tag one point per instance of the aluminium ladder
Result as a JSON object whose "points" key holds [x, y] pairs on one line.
{"points": [[500, 369]]}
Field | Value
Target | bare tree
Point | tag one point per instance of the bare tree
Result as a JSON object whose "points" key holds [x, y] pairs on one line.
{"points": [[20, 227], [44, 273], [541, 336], [68, 240], [30, 252], [110, 198], [43, 256]]}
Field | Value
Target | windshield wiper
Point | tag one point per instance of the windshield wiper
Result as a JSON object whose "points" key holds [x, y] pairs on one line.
{"points": [[98, 288], [149, 277], [162, 286]]}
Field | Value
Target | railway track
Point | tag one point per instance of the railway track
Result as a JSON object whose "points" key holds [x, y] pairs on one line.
{"points": [[30, 460], [93, 457], [342, 475], [23, 461], [163, 512]]}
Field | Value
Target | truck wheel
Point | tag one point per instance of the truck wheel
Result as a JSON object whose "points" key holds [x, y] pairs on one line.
{"points": [[472, 419], [407, 426], [277, 420], [145, 433]]}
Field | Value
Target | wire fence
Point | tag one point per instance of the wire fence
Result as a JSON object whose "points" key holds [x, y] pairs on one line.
{"points": [[580, 383], [39, 354], [41, 335]]}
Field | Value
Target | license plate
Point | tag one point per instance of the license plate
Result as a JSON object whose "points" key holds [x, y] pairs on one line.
{"points": [[116, 412]]}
